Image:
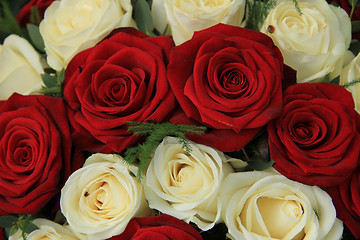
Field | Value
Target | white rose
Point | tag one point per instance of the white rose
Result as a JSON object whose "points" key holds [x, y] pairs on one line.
{"points": [[349, 73], [101, 198], [265, 205], [186, 185], [313, 43], [47, 230], [71, 26], [186, 16], [20, 67]]}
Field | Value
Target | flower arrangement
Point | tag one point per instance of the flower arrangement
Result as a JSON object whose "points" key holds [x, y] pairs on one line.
{"points": [[169, 119]]}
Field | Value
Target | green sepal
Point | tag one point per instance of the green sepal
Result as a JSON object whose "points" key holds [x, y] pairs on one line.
{"points": [[143, 17], [35, 37]]}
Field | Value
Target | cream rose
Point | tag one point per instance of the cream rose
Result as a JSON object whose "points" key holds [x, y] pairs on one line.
{"points": [[259, 205], [349, 73], [102, 197], [186, 185], [72, 26], [47, 230], [186, 16], [20, 67], [313, 43]]}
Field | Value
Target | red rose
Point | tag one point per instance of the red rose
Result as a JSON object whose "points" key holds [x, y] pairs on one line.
{"points": [[346, 199], [160, 227], [121, 79], [315, 140], [35, 149], [228, 79], [23, 16]]}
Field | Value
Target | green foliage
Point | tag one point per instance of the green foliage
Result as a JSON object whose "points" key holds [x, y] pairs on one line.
{"points": [[53, 83], [15, 223], [156, 132], [349, 84], [297, 7], [256, 153], [257, 12], [143, 17], [8, 23], [36, 37]]}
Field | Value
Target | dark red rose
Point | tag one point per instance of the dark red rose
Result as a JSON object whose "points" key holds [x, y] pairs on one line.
{"points": [[35, 151], [346, 199], [228, 79], [162, 227], [315, 140], [23, 16], [121, 79]]}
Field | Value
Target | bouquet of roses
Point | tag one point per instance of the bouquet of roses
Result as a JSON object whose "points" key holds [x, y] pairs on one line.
{"points": [[170, 119]]}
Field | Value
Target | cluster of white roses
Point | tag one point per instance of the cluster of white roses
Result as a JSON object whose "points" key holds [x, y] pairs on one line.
{"points": [[99, 199]]}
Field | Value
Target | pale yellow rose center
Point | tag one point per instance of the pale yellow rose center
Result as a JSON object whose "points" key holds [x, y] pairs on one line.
{"points": [[79, 16], [106, 198], [272, 217], [186, 175]]}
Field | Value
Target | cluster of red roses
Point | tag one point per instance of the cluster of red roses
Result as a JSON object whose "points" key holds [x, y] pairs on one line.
{"points": [[229, 79]]}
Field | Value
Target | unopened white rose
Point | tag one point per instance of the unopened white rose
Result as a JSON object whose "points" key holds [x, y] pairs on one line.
{"points": [[101, 198], [71, 26], [186, 16], [313, 42], [186, 185], [47, 230], [267, 205], [20, 67], [350, 73]]}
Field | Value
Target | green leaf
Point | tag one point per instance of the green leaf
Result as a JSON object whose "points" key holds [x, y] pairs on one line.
{"points": [[35, 15], [7, 221], [36, 37], [49, 80], [259, 165], [61, 77], [143, 17], [29, 227]]}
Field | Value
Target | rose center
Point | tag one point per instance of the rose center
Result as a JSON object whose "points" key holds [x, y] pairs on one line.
{"points": [[23, 155], [279, 215]]}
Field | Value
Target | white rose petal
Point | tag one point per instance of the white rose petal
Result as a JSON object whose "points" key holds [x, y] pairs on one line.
{"points": [[313, 43], [102, 197], [48, 230], [185, 185], [20, 67], [187, 16], [349, 73], [264, 204], [69, 27]]}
